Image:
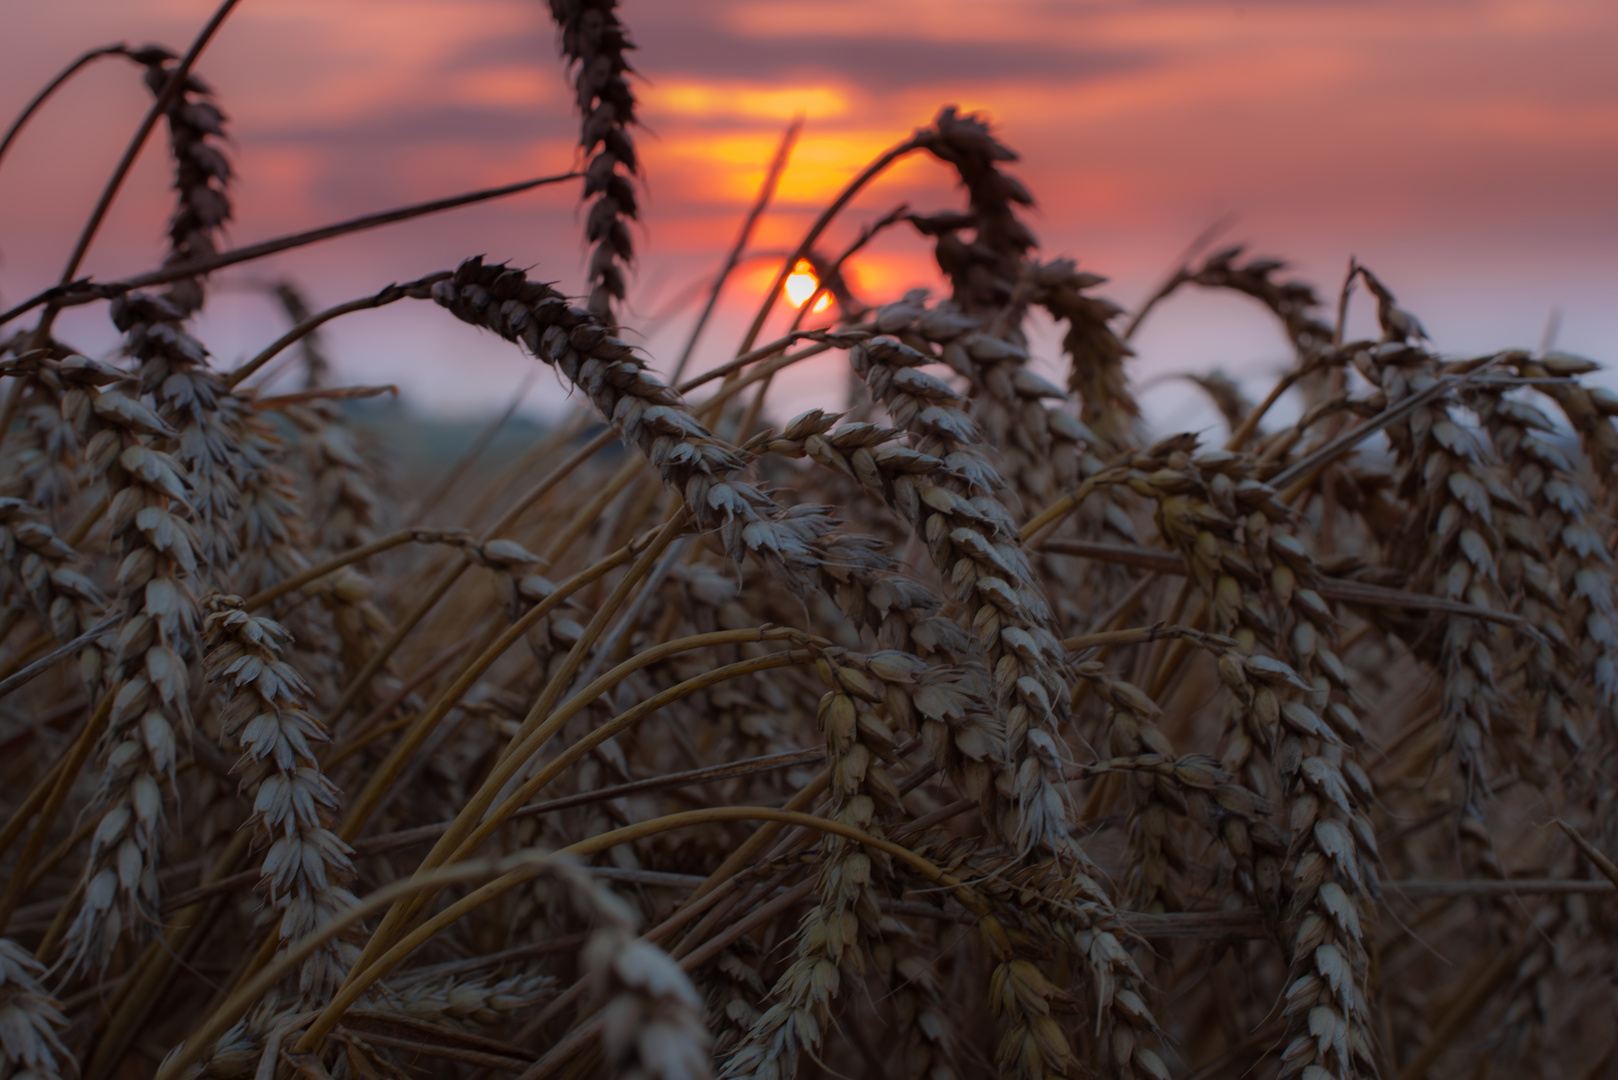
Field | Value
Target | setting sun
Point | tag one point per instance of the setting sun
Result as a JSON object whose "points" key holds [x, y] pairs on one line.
{"points": [[801, 285]]}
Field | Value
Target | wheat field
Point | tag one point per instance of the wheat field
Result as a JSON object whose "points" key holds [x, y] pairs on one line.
{"points": [[970, 731]]}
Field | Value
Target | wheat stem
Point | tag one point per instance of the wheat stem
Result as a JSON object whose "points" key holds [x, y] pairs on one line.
{"points": [[139, 994], [386, 961], [385, 774], [528, 742], [51, 87], [441, 586], [76, 757], [349, 557], [552, 769], [852, 188], [72, 293], [387, 295], [1600, 861], [766, 192]]}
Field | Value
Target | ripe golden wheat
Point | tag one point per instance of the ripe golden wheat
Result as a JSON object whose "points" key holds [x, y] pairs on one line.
{"points": [[967, 732]]}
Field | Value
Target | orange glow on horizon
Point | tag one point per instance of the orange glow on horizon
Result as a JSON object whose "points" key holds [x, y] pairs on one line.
{"points": [[716, 98], [729, 166]]}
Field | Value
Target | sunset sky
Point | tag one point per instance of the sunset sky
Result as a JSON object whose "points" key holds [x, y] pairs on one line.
{"points": [[1467, 150]]}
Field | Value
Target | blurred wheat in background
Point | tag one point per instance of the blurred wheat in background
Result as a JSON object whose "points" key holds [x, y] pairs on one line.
{"points": [[972, 730]]}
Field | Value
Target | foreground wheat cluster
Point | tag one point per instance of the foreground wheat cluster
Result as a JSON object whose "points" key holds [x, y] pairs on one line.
{"points": [[969, 732]]}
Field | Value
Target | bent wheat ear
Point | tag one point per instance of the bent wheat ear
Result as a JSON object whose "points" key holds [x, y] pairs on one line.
{"points": [[992, 287], [693, 463], [984, 273], [1292, 302]]}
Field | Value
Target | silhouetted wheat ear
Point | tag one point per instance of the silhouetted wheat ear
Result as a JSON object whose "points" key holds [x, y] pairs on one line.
{"points": [[596, 45]]}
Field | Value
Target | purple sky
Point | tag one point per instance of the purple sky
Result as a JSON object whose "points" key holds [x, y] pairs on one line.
{"points": [[1466, 150]]}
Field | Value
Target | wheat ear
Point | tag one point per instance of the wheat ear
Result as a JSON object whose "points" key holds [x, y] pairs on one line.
{"points": [[595, 43], [149, 519]]}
